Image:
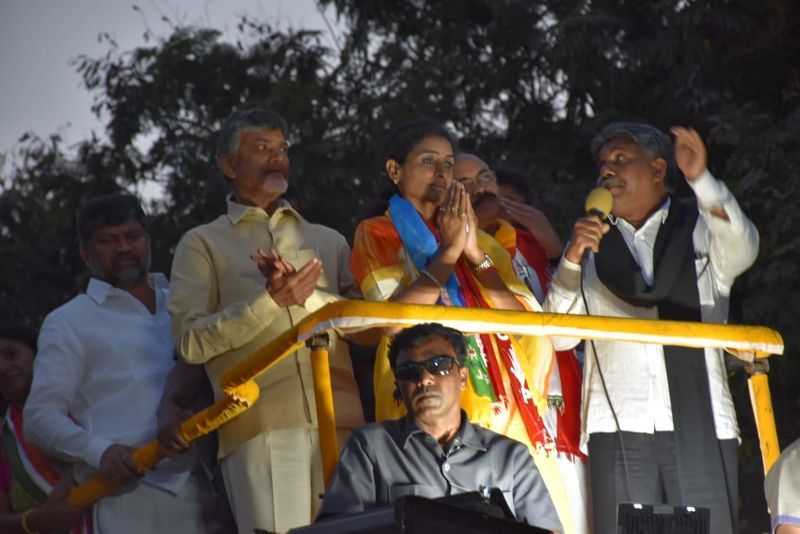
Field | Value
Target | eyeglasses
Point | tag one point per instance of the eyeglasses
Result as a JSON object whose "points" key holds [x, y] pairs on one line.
{"points": [[438, 365], [486, 178], [482, 180]]}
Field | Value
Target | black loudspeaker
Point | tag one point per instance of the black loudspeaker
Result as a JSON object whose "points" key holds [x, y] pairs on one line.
{"points": [[662, 519]]}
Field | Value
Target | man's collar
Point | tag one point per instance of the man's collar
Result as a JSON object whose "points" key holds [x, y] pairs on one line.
{"points": [[237, 212], [98, 290], [465, 437], [659, 216]]}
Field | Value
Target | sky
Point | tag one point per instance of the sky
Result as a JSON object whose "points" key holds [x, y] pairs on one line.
{"points": [[41, 92]]}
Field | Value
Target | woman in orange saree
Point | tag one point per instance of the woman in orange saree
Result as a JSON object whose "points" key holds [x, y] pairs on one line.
{"points": [[427, 249]]}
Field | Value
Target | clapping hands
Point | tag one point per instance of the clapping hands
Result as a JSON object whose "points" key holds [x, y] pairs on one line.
{"points": [[286, 285]]}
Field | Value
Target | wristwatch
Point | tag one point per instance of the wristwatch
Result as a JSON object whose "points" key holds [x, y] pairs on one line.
{"points": [[485, 265]]}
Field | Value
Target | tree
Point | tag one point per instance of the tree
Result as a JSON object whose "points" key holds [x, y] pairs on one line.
{"points": [[41, 267]]}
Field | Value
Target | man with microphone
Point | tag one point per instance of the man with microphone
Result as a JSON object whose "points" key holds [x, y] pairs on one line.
{"points": [[659, 421]]}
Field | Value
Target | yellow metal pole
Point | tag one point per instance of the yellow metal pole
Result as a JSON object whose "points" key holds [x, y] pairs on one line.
{"points": [[326, 419], [761, 400], [149, 454]]}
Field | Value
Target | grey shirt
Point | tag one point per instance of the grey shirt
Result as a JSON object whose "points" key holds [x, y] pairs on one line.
{"points": [[384, 461]]}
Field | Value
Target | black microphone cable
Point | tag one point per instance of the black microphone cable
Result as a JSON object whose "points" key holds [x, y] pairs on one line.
{"points": [[608, 397]]}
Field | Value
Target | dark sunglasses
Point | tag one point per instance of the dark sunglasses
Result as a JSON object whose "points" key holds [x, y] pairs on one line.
{"points": [[438, 365]]}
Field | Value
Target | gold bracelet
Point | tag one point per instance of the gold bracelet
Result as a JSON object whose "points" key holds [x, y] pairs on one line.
{"points": [[25, 526], [483, 266]]}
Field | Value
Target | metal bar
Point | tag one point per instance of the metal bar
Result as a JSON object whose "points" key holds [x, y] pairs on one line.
{"points": [[355, 316], [761, 401], [323, 398], [151, 453]]}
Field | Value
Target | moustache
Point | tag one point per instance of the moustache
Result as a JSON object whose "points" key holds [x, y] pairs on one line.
{"points": [[425, 391], [125, 258], [284, 169], [481, 197], [608, 181]]}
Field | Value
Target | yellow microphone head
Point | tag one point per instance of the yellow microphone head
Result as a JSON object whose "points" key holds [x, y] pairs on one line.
{"points": [[599, 202]]}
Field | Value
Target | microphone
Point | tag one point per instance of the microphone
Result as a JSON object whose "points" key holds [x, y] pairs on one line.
{"points": [[598, 203]]}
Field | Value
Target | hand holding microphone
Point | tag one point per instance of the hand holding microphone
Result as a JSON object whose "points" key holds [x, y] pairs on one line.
{"points": [[590, 229]]}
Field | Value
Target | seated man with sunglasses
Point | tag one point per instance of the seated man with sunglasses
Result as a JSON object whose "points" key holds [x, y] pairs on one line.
{"points": [[434, 451]]}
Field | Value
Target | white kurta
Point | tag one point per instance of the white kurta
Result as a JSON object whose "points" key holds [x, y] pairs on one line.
{"points": [[103, 359], [635, 372]]}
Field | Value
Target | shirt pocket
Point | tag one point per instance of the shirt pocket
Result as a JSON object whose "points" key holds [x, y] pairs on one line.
{"points": [[420, 490]]}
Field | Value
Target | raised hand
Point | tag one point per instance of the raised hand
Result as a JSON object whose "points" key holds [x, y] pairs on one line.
{"points": [[535, 221], [586, 234], [289, 287], [473, 253], [271, 264], [452, 221], [690, 152]]}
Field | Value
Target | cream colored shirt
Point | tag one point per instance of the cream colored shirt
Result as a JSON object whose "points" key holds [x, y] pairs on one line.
{"points": [[222, 312]]}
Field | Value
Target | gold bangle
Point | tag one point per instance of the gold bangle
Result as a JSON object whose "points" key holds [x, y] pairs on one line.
{"points": [[483, 266], [25, 526]]}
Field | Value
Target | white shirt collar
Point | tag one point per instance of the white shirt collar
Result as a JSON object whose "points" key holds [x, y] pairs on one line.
{"points": [[658, 216], [99, 290]]}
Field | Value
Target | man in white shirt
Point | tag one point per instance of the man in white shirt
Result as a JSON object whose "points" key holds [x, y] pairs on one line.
{"points": [[99, 374], [659, 421]]}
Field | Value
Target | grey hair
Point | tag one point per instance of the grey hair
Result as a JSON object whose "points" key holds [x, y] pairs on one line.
{"points": [[655, 142], [415, 335], [242, 121]]}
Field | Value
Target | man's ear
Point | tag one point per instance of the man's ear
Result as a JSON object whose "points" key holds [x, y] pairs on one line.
{"points": [[462, 377], [393, 170], [398, 398], [84, 252], [226, 166], [659, 169]]}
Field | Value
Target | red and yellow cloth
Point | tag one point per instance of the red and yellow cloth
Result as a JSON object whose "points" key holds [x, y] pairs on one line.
{"points": [[531, 262], [564, 475], [31, 475], [519, 367]]}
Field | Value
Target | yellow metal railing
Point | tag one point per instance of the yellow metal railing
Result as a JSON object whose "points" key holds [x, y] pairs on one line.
{"points": [[749, 343], [761, 402]]}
